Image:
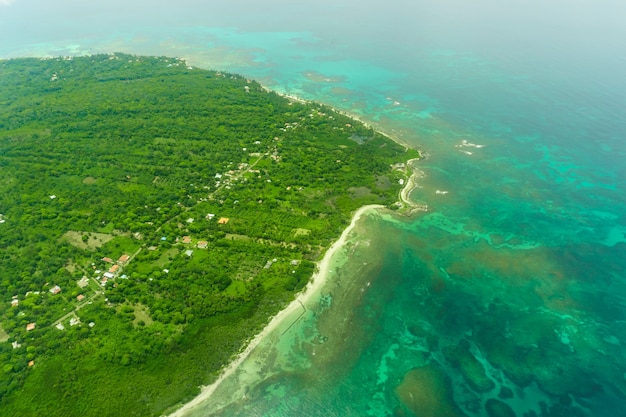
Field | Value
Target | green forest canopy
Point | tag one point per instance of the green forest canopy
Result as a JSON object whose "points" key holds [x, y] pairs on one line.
{"points": [[153, 216]]}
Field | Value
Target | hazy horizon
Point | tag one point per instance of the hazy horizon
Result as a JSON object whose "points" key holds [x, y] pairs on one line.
{"points": [[588, 36]]}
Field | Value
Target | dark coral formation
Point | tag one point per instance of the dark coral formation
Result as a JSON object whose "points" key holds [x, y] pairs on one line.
{"points": [[425, 391], [471, 369], [497, 408]]}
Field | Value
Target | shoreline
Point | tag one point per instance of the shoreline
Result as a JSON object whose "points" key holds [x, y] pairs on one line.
{"points": [[316, 283], [319, 278], [407, 206], [351, 115], [410, 207]]}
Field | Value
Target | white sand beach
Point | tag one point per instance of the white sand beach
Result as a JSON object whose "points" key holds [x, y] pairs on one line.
{"points": [[313, 287], [410, 185]]}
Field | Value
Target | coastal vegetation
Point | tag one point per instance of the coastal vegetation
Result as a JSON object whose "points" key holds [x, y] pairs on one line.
{"points": [[153, 217]]}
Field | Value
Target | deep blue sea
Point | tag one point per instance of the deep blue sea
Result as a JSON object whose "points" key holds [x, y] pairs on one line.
{"points": [[507, 297]]}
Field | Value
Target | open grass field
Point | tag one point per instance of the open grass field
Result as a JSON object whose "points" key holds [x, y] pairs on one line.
{"points": [[4, 336], [93, 241]]}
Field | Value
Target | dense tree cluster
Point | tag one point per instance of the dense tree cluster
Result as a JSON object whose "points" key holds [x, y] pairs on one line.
{"points": [[222, 195]]}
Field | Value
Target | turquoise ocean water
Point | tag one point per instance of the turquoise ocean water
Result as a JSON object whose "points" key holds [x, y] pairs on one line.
{"points": [[508, 296]]}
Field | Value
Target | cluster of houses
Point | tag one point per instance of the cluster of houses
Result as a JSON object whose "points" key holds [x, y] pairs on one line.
{"points": [[111, 273], [114, 269], [15, 301], [201, 244], [56, 289]]}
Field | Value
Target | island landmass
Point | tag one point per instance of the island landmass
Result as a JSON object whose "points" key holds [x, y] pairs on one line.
{"points": [[155, 217]]}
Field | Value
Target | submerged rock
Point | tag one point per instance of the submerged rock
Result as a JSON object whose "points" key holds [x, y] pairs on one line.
{"points": [[470, 367], [426, 392], [504, 354], [560, 374], [497, 408], [505, 393]]}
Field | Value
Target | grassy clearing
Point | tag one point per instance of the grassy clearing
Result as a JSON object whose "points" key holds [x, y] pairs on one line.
{"points": [[91, 242], [247, 270], [383, 182], [359, 192], [235, 289], [301, 232], [120, 245], [4, 336], [234, 236], [71, 266], [108, 228], [142, 313], [164, 259]]}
